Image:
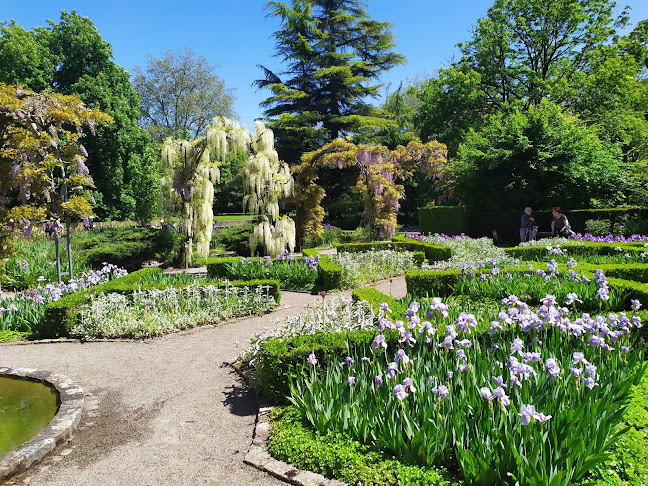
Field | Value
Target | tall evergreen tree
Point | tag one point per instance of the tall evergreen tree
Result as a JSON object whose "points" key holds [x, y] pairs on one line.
{"points": [[333, 54]]}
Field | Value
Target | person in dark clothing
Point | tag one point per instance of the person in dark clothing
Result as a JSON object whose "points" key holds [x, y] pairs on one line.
{"points": [[528, 226], [560, 224]]}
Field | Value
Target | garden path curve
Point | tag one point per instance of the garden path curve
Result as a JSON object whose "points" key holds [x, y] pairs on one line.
{"points": [[169, 410]]}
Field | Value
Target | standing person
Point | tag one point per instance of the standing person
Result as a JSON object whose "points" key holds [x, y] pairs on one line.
{"points": [[560, 224], [528, 226]]}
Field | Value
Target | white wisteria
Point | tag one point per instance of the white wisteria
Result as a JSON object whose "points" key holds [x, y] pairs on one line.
{"points": [[268, 180], [191, 170]]}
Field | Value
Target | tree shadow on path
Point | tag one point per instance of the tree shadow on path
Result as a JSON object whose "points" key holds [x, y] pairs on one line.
{"points": [[239, 397]]}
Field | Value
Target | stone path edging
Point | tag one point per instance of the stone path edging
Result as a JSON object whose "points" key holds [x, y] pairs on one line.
{"points": [[259, 457], [60, 427]]}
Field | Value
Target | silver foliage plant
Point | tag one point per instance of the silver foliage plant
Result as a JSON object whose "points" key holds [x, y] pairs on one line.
{"points": [[471, 251], [330, 314]]}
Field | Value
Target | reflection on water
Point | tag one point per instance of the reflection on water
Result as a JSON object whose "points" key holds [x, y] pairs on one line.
{"points": [[25, 408]]}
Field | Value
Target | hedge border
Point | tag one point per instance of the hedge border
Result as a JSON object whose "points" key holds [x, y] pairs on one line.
{"points": [[62, 315]]}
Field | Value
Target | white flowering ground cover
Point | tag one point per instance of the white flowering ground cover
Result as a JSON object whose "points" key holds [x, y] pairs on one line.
{"points": [[369, 266], [147, 313], [470, 251]]}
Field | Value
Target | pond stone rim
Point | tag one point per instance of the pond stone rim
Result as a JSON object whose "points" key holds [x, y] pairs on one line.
{"points": [[60, 428]]}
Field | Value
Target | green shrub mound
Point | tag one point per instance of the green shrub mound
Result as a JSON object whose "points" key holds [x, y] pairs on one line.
{"points": [[130, 246], [450, 220], [335, 456], [234, 238]]}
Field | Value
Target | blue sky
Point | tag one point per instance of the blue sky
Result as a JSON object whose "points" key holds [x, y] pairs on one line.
{"points": [[236, 35]]}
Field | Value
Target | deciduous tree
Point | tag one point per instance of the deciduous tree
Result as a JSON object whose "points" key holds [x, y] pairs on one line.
{"points": [[181, 94]]}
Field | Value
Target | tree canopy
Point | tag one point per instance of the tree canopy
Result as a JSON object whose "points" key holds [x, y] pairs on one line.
{"points": [[42, 161], [333, 55], [181, 94], [70, 57], [540, 156]]}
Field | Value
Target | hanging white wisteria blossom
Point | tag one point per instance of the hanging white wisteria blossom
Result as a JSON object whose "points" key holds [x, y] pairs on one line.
{"points": [[191, 169], [268, 180]]}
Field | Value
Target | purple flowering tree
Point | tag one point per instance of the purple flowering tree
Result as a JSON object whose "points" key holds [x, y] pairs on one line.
{"points": [[381, 171], [42, 159]]}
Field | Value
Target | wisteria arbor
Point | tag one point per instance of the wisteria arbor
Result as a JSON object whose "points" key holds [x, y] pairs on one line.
{"points": [[191, 169], [381, 169]]}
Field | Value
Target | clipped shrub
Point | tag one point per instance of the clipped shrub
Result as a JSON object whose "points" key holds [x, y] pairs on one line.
{"points": [[130, 246], [450, 220], [336, 456], [280, 360], [329, 274]]}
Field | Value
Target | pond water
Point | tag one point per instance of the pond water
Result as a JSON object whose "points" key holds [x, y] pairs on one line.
{"points": [[25, 408]]}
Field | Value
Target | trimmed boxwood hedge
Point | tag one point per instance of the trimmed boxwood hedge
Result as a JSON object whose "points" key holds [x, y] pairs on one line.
{"points": [[62, 315], [540, 253], [336, 456], [281, 360]]}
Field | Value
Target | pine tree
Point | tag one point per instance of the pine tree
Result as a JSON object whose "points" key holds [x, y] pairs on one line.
{"points": [[333, 53]]}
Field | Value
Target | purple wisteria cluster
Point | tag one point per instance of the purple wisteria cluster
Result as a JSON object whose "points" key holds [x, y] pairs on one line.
{"points": [[54, 291]]}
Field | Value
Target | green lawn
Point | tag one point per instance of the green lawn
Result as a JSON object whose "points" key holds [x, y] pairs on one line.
{"points": [[234, 217]]}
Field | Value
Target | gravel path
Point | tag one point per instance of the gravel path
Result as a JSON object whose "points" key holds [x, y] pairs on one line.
{"points": [[171, 410]]}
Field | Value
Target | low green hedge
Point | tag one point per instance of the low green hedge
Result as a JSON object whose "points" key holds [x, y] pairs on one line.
{"points": [[540, 253], [433, 253], [375, 298], [62, 315], [217, 267], [281, 360], [335, 456], [329, 274]]}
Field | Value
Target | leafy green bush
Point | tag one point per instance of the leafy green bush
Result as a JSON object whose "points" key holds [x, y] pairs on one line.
{"points": [[335, 456], [329, 274], [234, 238], [598, 227], [580, 250], [130, 246]]}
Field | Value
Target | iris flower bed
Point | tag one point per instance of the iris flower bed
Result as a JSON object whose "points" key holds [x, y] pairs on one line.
{"points": [[369, 266], [24, 313], [576, 290], [563, 254], [149, 313], [537, 401], [293, 273]]}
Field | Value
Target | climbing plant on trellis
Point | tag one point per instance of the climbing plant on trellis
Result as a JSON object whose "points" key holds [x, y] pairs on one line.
{"points": [[381, 169], [191, 169]]}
